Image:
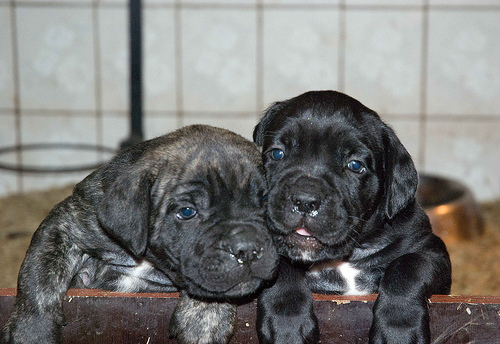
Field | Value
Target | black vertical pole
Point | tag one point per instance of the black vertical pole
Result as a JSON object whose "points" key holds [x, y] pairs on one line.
{"points": [[135, 17]]}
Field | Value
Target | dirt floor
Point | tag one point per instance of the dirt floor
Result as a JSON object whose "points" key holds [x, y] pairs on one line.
{"points": [[476, 263]]}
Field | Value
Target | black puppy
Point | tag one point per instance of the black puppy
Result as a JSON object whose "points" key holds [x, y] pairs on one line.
{"points": [[342, 210], [179, 212]]}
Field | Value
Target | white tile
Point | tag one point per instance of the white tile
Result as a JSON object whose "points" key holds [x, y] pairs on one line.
{"points": [[65, 128], [159, 124], [44, 181], [159, 92], [56, 58], [7, 129], [115, 66], [301, 2], [385, 2], [464, 55], [145, 2], [115, 2], [59, 128], [383, 58], [115, 129], [6, 67], [8, 138], [159, 2], [55, 1], [467, 151], [219, 2], [8, 179], [300, 52], [8, 183], [240, 124], [465, 2], [159, 60], [219, 60]]}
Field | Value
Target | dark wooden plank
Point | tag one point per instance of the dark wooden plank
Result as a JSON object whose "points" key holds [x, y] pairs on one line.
{"points": [[106, 317]]}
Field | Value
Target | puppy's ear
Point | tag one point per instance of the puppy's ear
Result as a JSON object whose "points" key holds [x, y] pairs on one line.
{"points": [[266, 120], [125, 207], [401, 178]]}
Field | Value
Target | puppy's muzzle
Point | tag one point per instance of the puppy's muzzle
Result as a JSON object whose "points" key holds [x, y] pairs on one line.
{"points": [[305, 197], [243, 244], [305, 202]]}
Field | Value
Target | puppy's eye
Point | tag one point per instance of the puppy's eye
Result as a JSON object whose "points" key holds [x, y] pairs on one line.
{"points": [[277, 154], [356, 166], [186, 213]]}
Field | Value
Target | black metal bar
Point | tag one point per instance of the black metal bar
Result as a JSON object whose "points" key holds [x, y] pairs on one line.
{"points": [[136, 130]]}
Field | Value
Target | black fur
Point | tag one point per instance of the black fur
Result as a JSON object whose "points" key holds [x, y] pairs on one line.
{"points": [[122, 230], [342, 198]]}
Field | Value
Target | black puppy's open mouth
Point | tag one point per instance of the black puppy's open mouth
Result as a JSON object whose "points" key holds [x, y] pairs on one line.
{"points": [[303, 240]]}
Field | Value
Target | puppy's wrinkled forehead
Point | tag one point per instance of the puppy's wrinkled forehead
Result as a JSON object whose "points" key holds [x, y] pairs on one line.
{"points": [[318, 130], [320, 117], [219, 166]]}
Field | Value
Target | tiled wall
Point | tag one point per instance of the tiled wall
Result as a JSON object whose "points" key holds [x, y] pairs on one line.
{"points": [[429, 67]]}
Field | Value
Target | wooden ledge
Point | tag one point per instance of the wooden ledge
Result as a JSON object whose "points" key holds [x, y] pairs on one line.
{"points": [[96, 316]]}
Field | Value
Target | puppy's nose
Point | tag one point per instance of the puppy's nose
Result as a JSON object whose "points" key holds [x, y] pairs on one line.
{"points": [[244, 246], [305, 202]]}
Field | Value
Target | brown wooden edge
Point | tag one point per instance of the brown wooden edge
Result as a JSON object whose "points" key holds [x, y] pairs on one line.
{"points": [[483, 299], [103, 317]]}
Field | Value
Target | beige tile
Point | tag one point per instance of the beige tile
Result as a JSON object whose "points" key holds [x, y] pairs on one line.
{"points": [[240, 124], [300, 52], [6, 67], [383, 58], [56, 58], [466, 150], [219, 60], [464, 55]]}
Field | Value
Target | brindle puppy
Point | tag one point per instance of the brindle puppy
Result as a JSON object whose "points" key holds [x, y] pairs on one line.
{"points": [[179, 212]]}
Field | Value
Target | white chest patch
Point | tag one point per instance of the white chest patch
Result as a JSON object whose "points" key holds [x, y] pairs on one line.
{"points": [[349, 275], [133, 281]]}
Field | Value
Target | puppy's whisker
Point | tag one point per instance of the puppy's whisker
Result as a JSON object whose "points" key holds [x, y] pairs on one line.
{"points": [[357, 218]]}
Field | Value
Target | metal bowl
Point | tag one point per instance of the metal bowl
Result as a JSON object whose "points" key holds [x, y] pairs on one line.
{"points": [[453, 212]]}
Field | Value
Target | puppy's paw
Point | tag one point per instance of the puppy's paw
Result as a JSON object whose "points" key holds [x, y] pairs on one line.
{"points": [[286, 318], [399, 322], [276, 329], [29, 329], [199, 322]]}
